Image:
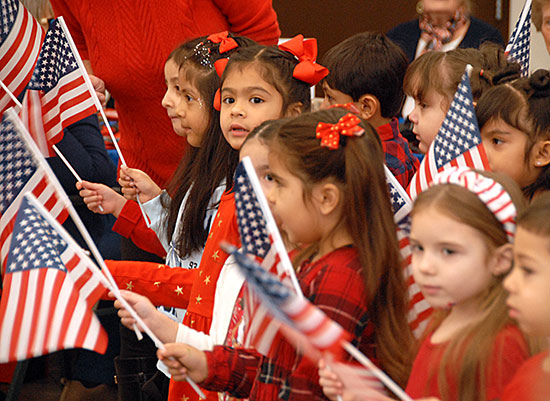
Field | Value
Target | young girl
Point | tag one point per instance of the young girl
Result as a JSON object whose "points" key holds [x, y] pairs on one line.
{"points": [[351, 270], [432, 80], [529, 298], [514, 119]]}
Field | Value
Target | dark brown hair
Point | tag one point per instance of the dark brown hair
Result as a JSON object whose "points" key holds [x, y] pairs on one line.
{"points": [[536, 217], [442, 71], [201, 170], [523, 104], [473, 345], [275, 66], [357, 166], [368, 63]]}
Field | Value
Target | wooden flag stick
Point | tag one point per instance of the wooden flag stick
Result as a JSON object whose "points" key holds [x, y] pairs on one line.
{"points": [[11, 95]]}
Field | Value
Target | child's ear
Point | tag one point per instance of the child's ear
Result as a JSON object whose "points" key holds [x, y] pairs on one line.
{"points": [[501, 260], [541, 153], [327, 197], [294, 109], [369, 106]]}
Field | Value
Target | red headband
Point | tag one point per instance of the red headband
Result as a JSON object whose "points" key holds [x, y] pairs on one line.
{"points": [[225, 42], [329, 133], [307, 69]]}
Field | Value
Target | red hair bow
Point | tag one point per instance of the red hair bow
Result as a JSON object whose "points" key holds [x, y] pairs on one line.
{"points": [[307, 69], [330, 133], [217, 100], [220, 65], [225, 42]]}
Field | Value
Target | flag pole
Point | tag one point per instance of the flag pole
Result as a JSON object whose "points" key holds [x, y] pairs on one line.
{"points": [[11, 95], [98, 105], [271, 225]]}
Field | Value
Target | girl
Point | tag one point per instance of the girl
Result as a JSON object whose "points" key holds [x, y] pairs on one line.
{"points": [[529, 300], [433, 78], [514, 119], [351, 270]]}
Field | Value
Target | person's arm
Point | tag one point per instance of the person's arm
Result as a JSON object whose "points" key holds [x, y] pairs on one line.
{"points": [[255, 19]]}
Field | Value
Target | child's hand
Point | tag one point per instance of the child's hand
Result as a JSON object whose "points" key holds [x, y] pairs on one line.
{"points": [[100, 198], [330, 382], [135, 182], [184, 360]]}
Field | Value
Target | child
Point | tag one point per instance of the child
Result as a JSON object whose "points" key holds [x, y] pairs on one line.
{"points": [[515, 127], [351, 270], [432, 80], [368, 69], [528, 298]]}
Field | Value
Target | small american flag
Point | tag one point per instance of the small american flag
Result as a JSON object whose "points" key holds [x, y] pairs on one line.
{"points": [[519, 45], [458, 142], [20, 39], [20, 173], [64, 94], [48, 293], [259, 237], [292, 310], [419, 309]]}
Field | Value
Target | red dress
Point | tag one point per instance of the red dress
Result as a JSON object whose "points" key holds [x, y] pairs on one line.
{"points": [[128, 42], [509, 352], [531, 382]]}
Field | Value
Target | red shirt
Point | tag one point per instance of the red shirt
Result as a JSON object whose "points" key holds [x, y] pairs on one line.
{"points": [[398, 157], [335, 284], [509, 352], [128, 42], [531, 382]]}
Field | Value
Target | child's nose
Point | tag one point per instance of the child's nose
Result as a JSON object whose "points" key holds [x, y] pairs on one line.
{"points": [[424, 263], [510, 281], [238, 109]]}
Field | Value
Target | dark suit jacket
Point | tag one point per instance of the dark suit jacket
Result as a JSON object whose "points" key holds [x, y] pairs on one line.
{"points": [[406, 35]]}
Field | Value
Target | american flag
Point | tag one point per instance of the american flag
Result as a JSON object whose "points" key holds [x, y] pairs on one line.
{"points": [[458, 142], [259, 238], [519, 45], [20, 39], [294, 311], [19, 173], [58, 79], [48, 293], [419, 309]]}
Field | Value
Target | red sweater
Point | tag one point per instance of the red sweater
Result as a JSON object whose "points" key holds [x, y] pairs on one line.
{"points": [[128, 42], [531, 382], [509, 352]]}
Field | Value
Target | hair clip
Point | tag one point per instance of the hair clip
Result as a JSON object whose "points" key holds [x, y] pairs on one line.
{"points": [[202, 54], [330, 134], [305, 51], [226, 43]]}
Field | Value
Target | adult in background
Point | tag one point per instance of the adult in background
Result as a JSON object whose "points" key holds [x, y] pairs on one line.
{"points": [[540, 16]]}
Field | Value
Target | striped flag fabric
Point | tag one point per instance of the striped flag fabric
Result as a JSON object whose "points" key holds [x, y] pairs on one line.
{"points": [[31, 116], [20, 39], [518, 48], [419, 309], [59, 81], [48, 292], [257, 239], [19, 173], [457, 143]]}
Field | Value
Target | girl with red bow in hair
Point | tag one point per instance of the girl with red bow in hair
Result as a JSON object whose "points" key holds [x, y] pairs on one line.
{"points": [[323, 165], [258, 83]]}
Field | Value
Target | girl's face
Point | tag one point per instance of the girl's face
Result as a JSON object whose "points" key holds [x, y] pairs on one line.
{"points": [[191, 111], [287, 201], [334, 96], [427, 116], [529, 283], [505, 147], [246, 102], [258, 153], [449, 259], [171, 98]]}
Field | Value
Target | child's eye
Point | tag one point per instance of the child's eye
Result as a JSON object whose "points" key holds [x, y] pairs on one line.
{"points": [[526, 270], [268, 177], [189, 98], [447, 251], [415, 248], [177, 87], [256, 100], [497, 141], [228, 100]]}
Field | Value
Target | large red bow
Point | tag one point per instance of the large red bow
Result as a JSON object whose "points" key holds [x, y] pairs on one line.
{"points": [[307, 69], [220, 65], [225, 42], [330, 133]]}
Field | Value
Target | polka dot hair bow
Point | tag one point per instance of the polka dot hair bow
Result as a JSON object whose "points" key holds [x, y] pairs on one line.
{"points": [[490, 192], [330, 133], [226, 43], [305, 51]]}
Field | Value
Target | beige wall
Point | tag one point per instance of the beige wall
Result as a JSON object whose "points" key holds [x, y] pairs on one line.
{"points": [[539, 56]]}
